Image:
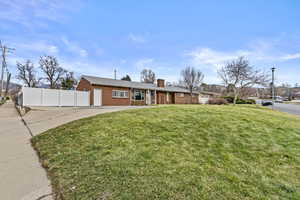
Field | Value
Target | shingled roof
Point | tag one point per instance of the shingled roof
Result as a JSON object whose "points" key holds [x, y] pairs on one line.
{"points": [[131, 84]]}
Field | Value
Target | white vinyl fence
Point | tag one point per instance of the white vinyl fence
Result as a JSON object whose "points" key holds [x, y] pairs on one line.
{"points": [[53, 97]]}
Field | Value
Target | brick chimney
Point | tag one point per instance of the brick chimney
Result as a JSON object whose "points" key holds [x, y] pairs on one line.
{"points": [[160, 82]]}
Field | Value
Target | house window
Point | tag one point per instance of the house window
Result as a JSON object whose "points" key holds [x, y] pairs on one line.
{"points": [[138, 95], [119, 94]]}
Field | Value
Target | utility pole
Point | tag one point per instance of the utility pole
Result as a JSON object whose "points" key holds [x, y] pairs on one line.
{"points": [[273, 87], [4, 50], [7, 83]]}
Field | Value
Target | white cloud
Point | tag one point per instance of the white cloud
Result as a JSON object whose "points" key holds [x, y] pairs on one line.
{"points": [[262, 52], [35, 12], [38, 46], [291, 56], [101, 69], [74, 48], [137, 38], [164, 70], [210, 57]]}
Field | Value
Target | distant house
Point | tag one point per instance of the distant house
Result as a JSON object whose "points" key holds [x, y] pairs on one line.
{"points": [[210, 94], [297, 95], [111, 92]]}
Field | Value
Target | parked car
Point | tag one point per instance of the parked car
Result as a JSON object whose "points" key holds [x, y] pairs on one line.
{"points": [[286, 99], [266, 103], [279, 99]]}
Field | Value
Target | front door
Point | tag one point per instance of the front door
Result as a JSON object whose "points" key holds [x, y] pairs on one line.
{"points": [[97, 97]]}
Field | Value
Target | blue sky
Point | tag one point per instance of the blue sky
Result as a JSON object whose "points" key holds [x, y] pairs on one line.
{"points": [[95, 37]]}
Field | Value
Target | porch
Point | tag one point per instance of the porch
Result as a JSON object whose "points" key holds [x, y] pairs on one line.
{"points": [[149, 97]]}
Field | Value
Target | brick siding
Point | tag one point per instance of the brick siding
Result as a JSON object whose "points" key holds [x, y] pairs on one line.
{"points": [[108, 100]]}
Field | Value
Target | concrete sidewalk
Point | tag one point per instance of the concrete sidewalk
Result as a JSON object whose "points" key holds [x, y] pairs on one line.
{"points": [[21, 176]]}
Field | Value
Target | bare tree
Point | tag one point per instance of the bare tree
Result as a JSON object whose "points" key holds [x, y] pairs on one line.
{"points": [[27, 73], [147, 76], [53, 72], [191, 79], [68, 81], [238, 74]]}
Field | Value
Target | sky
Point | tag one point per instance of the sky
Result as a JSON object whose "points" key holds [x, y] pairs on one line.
{"points": [[95, 37]]}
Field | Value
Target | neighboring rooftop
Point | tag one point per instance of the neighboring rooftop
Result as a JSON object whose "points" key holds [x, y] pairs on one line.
{"points": [[131, 84]]}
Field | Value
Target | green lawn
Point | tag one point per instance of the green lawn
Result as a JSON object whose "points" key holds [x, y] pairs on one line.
{"points": [[176, 152]]}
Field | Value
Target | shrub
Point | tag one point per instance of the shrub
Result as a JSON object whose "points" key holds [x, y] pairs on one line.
{"points": [[246, 101], [240, 101], [230, 99], [250, 101], [217, 101]]}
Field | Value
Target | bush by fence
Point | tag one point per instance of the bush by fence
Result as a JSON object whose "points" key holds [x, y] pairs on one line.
{"points": [[230, 99], [217, 101]]}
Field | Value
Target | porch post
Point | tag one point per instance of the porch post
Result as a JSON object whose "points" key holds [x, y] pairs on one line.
{"points": [[130, 96], [148, 97]]}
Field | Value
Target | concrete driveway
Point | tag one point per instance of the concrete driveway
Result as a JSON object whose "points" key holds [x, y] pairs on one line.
{"points": [[40, 119]]}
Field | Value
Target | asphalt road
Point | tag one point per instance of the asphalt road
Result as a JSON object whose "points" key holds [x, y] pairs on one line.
{"points": [[289, 108]]}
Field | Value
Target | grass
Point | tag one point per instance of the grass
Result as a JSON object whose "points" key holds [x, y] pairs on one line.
{"points": [[175, 152], [290, 102]]}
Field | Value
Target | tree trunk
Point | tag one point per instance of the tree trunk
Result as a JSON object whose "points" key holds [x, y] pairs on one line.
{"points": [[236, 95], [235, 98]]}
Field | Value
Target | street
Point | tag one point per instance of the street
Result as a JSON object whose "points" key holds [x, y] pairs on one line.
{"points": [[288, 108]]}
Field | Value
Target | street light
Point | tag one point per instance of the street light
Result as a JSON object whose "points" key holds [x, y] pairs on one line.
{"points": [[273, 87]]}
